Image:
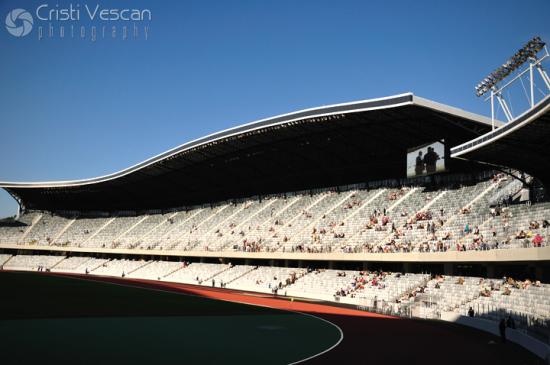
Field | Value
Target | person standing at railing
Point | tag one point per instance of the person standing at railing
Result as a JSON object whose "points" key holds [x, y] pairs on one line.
{"points": [[502, 330]]}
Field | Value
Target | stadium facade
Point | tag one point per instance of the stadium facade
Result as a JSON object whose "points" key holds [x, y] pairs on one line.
{"points": [[346, 149]]}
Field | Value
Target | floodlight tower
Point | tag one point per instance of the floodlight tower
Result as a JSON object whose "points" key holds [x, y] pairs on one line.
{"points": [[528, 53]]}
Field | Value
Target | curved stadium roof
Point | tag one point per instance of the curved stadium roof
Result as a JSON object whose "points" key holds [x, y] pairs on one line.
{"points": [[521, 144], [319, 147]]}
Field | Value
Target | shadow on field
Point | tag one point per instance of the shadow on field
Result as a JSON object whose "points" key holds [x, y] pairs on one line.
{"points": [[28, 295]]}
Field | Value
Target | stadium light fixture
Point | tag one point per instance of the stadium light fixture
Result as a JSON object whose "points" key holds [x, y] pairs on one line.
{"points": [[530, 50], [528, 53]]}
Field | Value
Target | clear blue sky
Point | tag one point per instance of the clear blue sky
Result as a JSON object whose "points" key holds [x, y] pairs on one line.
{"points": [[75, 109]]}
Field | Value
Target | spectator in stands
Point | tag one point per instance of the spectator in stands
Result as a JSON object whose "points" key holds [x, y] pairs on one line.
{"points": [[471, 312], [485, 293], [521, 235], [537, 240]]}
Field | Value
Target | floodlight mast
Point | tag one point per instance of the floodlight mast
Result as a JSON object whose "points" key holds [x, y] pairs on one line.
{"points": [[526, 54]]}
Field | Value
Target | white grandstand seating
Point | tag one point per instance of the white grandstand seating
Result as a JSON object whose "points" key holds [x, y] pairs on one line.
{"points": [[44, 232], [236, 272], [262, 228], [492, 299], [73, 264], [314, 214], [515, 219], [110, 231], [4, 258], [264, 278], [532, 301], [146, 232], [451, 292], [80, 231], [323, 284], [89, 266], [197, 273], [166, 235], [157, 270], [32, 262], [389, 287], [119, 267], [332, 228], [184, 235], [378, 220], [11, 234], [225, 224], [233, 232]]}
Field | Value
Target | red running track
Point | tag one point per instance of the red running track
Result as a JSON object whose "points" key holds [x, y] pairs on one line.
{"points": [[371, 338]]}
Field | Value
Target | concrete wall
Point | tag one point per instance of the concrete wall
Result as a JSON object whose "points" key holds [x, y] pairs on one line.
{"points": [[497, 256]]}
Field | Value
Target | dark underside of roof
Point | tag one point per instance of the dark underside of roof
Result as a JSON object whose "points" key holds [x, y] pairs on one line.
{"points": [[526, 149], [311, 153]]}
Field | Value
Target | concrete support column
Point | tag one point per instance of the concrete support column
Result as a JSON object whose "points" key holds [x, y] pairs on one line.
{"points": [[539, 273], [448, 268], [490, 271]]}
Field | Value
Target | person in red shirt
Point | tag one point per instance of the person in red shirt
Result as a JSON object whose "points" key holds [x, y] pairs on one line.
{"points": [[537, 240]]}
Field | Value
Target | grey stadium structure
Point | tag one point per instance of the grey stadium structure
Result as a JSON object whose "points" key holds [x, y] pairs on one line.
{"points": [[314, 148]]}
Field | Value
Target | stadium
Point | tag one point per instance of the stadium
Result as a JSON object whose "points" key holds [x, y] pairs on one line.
{"points": [[339, 233]]}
